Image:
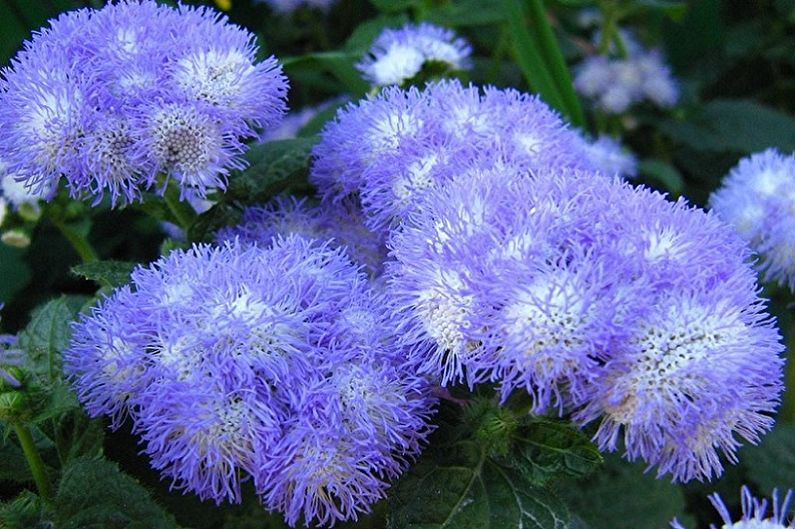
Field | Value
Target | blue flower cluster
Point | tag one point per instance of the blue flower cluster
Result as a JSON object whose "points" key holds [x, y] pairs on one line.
{"points": [[615, 84], [754, 512], [112, 98], [341, 224], [397, 55], [758, 198], [274, 364], [514, 262]]}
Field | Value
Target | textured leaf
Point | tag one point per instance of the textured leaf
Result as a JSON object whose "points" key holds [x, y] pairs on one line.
{"points": [[733, 125], [363, 36], [622, 496], [13, 466], [275, 166], [76, 435], [94, 493], [459, 487], [106, 273], [663, 173], [772, 464], [26, 511], [48, 334], [548, 449]]}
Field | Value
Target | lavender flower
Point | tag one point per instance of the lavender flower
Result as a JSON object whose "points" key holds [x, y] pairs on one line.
{"points": [[274, 363], [391, 148], [100, 99], [617, 84], [288, 215], [754, 512], [608, 156], [397, 55], [288, 6], [757, 199]]}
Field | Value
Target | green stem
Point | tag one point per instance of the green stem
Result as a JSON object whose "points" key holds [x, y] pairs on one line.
{"points": [[182, 212], [554, 61], [34, 461], [78, 241]]}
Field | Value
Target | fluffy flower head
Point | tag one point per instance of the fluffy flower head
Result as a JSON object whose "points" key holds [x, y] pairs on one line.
{"points": [[756, 513], [397, 55], [758, 198]]}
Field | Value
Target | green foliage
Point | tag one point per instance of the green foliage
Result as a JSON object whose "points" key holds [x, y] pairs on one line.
{"points": [[107, 273], [733, 125], [26, 511], [622, 496], [48, 334], [94, 493], [546, 450], [771, 465]]}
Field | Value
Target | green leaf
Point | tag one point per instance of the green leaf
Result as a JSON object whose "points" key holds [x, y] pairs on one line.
{"points": [[48, 334], [365, 33], [275, 167], [663, 173], [76, 435], [26, 511], [772, 464], [107, 273], [392, 6], [457, 486], [735, 125], [547, 449], [528, 57], [94, 493], [673, 9], [14, 271], [14, 466], [467, 13], [611, 498]]}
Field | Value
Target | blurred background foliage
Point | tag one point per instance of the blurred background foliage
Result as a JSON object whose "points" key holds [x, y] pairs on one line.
{"points": [[735, 60]]}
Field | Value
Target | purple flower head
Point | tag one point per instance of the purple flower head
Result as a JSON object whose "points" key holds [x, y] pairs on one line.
{"points": [[608, 156], [755, 513], [288, 6], [112, 98], [397, 55], [231, 361], [698, 362], [617, 84], [757, 198], [395, 146], [288, 215]]}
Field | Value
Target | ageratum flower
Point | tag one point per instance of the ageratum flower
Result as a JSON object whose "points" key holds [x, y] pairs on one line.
{"points": [[397, 55], [757, 197], [287, 215], [288, 6], [617, 84], [697, 362], [118, 99], [755, 513], [392, 147], [271, 363], [608, 156]]}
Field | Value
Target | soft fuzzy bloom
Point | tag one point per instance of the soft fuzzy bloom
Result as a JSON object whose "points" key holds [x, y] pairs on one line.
{"points": [[16, 193], [288, 6], [757, 197], [393, 147], [608, 156], [101, 99], [594, 297], [697, 363], [341, 223], [617, 84], [275, 363], [755, 512], [397, 55]]}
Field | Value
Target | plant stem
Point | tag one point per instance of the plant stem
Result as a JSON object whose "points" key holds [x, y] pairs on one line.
{"points": [[34, 461], [182, 212], [78, 242]]}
